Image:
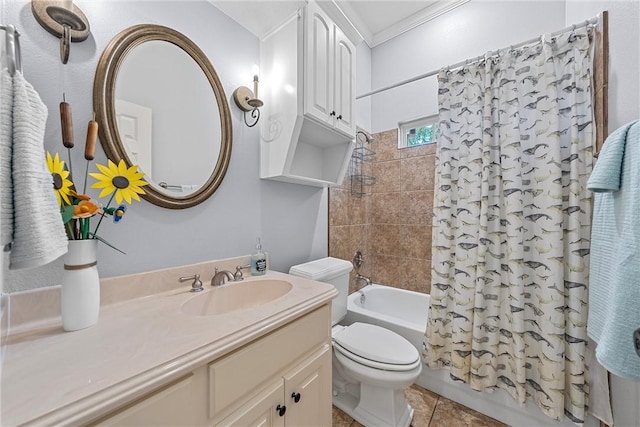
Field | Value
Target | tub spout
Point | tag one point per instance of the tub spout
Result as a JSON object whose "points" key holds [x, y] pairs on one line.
{"points": [[365, 279]]}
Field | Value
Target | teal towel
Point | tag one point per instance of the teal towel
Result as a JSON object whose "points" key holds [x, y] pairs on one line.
{"points": [[614, 289]]}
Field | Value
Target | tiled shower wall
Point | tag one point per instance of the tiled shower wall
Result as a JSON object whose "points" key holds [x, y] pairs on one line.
{"points": [[391, 225]]}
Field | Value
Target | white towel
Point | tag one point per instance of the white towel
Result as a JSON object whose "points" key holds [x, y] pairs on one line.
{"points": [[188, 188], [6, 142], [614, 289], [38, 236]]}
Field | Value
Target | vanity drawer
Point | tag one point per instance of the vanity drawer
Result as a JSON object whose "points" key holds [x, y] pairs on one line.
{"points": [[170, 405], [235, 377]]}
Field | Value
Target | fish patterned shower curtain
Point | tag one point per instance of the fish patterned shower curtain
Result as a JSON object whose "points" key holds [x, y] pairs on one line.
{"points": [[512, 223]]}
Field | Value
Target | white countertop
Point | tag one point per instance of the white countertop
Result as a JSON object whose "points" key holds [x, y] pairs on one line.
{"points": [[54, 377]]}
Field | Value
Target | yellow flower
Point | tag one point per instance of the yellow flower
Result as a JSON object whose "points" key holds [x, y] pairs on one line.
{"points": [[61, 185], [126, 182]]}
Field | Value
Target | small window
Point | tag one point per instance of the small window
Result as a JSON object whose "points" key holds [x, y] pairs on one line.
{"points": [[418, 132]]}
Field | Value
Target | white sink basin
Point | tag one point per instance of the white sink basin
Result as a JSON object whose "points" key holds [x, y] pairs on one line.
{"points": [[236, 296]]}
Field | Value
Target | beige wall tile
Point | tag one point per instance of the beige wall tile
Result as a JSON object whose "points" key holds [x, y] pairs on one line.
{"points": [[385, 239], [415, 274], [339, 207], [385, 208], [358, 239], [417, 173], [339, 241], [387, 270], [416, 207], [390, 225], [421, 150], [357, 210], [386, 146], [387, 176], [415, 241]]}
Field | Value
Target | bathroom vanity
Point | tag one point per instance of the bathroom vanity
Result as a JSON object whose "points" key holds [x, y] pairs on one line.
{"points": [[157, 360]]}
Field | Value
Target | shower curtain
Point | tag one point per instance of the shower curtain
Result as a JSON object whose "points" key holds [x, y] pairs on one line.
{"points": [[511, 224]]}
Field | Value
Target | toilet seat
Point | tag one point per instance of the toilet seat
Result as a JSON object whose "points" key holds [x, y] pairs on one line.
{"points": [[376, 347]]}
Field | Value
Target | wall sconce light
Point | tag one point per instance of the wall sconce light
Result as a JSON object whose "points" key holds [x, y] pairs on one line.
{"points": [[246, 100], [63, 19]]}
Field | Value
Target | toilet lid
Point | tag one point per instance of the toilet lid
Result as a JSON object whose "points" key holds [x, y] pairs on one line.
{"points": [[377, 344]]}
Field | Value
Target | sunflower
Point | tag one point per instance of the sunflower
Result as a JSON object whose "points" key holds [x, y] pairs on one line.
{"points": [[61, 185], [126, 182]]}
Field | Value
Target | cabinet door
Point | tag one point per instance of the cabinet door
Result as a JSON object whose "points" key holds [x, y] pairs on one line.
{"points": [[310, 384], [344, 84], [318, 65], [261, 410]]}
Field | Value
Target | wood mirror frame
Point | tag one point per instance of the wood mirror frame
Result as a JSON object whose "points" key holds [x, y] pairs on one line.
{"points": [[104, 106]]}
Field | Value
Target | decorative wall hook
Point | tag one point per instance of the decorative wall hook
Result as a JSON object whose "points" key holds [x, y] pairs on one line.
{"points": [[246, 100], [63, 19]]}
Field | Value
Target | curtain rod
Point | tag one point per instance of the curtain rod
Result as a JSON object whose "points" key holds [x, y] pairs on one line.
{"points": [[477, 58]]}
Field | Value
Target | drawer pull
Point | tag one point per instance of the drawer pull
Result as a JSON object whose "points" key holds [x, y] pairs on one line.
{"points": [[295, 397], [281, 410]]}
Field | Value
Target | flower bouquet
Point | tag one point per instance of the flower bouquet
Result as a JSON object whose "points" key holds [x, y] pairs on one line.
{"points": [[117, 182], [80, 288]]}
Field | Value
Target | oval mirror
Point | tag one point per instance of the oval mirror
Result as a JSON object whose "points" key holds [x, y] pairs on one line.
{"points": [[160, 105]]}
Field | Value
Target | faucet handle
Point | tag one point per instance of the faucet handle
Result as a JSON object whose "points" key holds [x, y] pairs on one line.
{"points": [[196, 286], [237, 276]]}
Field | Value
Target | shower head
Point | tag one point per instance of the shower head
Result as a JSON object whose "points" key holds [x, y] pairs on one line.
{"points": [[365, 137]]}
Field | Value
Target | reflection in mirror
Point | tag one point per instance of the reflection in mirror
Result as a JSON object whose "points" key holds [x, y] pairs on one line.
{"points": [[182, 157], [163, 108]]}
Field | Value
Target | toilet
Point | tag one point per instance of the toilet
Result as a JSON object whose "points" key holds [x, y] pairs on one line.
{"points": [[371, 365]]}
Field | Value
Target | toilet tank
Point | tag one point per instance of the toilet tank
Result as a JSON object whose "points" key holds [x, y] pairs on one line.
{"points": [[329, 270]]}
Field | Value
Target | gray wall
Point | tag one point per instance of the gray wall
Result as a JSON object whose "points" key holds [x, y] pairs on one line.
{"points": [[466, 32], [292, 219]]}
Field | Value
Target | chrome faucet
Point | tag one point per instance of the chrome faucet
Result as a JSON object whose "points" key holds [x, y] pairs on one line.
{"points": [[196, 286], [365, 279], [220, 276], [237, 276]]}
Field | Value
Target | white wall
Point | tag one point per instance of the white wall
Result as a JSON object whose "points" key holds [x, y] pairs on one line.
{"points": [[624, 106], [363, 85], [292, 219], [466, 32]]}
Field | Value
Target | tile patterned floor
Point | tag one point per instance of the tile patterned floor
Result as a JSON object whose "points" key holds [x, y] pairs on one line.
{"points": [[430, 410]]}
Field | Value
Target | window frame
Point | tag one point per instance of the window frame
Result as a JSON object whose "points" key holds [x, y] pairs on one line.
{"points": [[423, 121]]}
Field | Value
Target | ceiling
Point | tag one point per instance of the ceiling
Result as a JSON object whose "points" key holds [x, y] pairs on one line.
{"points": [[375, 21]]}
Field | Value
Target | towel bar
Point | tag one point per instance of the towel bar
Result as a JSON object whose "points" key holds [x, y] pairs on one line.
{"points": [[12, 42]]}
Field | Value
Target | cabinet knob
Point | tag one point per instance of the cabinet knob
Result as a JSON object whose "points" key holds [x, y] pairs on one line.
{"points": [[339, 117], [281, 410], [295, 397], [333, 113]]}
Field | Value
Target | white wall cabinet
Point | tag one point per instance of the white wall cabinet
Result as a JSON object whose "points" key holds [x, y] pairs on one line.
{"points": [[308, 121], [329, 72], [281, 379]]}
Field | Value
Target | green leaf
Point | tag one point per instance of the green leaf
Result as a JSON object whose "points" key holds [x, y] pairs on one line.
{"points": [[67, 212]]}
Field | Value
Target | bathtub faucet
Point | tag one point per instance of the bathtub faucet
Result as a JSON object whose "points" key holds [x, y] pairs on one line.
{"points": [[365, 279]]}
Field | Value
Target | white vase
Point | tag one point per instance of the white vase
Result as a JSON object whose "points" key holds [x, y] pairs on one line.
{"points": [[80, 300]]}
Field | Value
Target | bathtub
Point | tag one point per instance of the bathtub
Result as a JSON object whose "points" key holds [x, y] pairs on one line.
{"points": [[405, 313]]}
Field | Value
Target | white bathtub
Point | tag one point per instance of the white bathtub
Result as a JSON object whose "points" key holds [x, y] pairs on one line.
{"points": [[405, 313]]}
